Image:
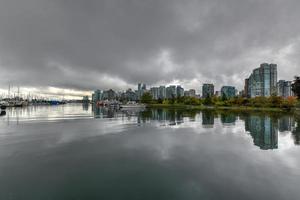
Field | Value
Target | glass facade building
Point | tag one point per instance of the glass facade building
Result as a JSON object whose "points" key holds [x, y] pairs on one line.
{"points": [[162, 92], [171, 92], [262, 81], [179, 91], [208, 90], [284, 88], [154, 92], [228, 92]]}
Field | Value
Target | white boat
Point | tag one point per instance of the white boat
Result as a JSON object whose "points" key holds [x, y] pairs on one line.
{"points": [[133, 105], [4, 104]]}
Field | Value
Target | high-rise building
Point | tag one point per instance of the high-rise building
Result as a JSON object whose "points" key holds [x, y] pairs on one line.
{"points": [[171, 92], [109, 95], [208, 90], [97, 96], [179, 91], [262, 81], [141, 90], [154, 92], [190, 93], [246, 88], [228, 92], [162, 92], [284, 88], [129, 95]]}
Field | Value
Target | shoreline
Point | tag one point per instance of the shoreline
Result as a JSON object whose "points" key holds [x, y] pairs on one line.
{"points": [[234, 108]]}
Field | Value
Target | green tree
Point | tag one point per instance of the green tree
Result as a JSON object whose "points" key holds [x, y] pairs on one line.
{"points": [[146, 98], [296, 86], [208, 101], [224, 97]]}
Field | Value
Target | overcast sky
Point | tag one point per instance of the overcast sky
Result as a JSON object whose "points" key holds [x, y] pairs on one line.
{"points": [[82, 45]]}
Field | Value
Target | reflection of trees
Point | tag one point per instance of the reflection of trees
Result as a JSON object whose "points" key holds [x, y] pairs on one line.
{"points": [[172, 116], [263, 130]]}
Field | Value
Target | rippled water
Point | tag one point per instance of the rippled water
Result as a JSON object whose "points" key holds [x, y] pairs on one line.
{"points": [[80, 152]]}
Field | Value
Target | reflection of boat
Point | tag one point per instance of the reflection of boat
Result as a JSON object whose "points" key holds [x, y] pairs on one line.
{"points": [[133, 105], [2, 113], [4, 104]]}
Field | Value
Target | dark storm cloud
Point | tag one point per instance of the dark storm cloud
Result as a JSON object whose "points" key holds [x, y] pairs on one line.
{"points": [[88, 44]]}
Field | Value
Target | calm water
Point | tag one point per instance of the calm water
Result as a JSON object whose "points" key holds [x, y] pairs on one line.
{"points": [[77, 152]]}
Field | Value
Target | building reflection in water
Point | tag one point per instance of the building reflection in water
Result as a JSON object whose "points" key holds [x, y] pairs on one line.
{"points": [[286, 123], [104, 112], [264, 131], [228, 119], [170, 117], [85, 106], [290, 124], [208, 119], [296, 132]]}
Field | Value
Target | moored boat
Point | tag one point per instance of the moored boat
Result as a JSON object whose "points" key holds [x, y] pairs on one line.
{"points": [[4, 104], [133, 105]]}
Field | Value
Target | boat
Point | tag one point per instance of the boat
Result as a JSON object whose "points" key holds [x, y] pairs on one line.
{"points": [[18, 104], [132, 105], [4, 104]]}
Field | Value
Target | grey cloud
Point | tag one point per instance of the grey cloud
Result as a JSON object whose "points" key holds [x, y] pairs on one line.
{"points": [[116, 43]]}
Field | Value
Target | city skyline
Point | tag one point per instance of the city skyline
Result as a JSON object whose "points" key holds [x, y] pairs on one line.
{"points": [[262, 81], [77, 46]]}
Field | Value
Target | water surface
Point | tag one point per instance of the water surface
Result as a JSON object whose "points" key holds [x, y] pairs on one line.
{"points": [[81, 152]]}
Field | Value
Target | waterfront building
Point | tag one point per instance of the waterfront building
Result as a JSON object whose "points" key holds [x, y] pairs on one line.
{"points": [[141, 90], [228, 92], [171, 92], [154, 91], [97, 96], [190, 93], [129, 95], [109, 95], [179, 91], [246, 88], [207, 90], [284, 88], [262, 81], [162, 92]]}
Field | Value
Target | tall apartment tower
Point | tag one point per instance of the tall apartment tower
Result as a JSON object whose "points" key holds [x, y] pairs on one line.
{"points": [[208, 90], [263, 81]]}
